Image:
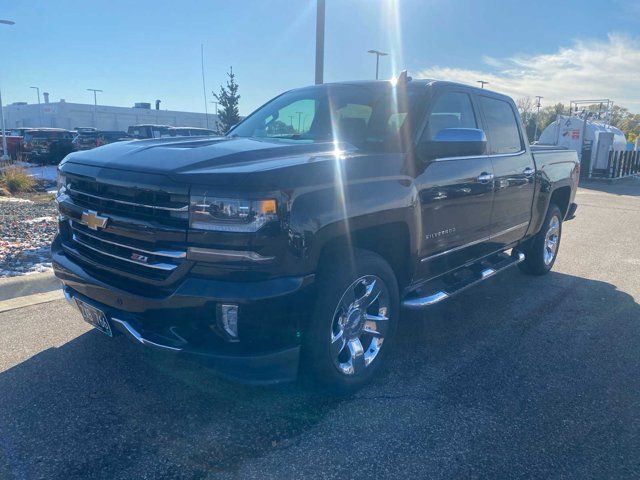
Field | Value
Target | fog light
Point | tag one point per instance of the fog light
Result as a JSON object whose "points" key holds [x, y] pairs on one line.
{"points": [[228, 318]]}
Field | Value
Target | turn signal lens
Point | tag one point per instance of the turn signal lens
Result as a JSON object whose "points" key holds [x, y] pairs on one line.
{"points": [[268, 207]]}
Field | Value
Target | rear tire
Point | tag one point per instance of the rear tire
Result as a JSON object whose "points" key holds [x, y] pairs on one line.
{"points": [[542, 250], [354, 321]]}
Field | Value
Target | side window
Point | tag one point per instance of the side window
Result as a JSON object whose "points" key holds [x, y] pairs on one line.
{"points": [[395, 122], [502, 127], [293, 119], [450, 110]]}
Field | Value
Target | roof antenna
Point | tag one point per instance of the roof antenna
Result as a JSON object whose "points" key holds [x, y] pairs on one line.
{"points": [[403, 77]]}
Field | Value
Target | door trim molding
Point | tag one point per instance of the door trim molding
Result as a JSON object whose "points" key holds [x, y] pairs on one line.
{"points": [[475, 242]]}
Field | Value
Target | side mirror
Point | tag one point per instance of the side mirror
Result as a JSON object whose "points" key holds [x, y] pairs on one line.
{"points": [[454, 142]]}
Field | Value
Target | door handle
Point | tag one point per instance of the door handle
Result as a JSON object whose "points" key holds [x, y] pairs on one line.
{"points": [[528, 171], [485, 177]]}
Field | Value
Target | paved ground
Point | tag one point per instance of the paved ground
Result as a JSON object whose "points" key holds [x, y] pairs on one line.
{"points": [[519, 378]]}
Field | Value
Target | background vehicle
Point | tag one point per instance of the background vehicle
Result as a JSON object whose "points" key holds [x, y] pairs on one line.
{"points": [[46, 145], [147, 131], [13, 146], [190, 132], [91, 139], [288, 242]]}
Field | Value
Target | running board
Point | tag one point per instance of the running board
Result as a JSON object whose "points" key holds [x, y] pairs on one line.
{"points": [[424, 297]]}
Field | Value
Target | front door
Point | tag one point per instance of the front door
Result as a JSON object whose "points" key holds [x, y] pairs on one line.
{"points": [[514, 172], [456, 193]]}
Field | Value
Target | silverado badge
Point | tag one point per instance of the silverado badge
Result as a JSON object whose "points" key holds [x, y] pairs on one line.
{"points": [[91, 219]]}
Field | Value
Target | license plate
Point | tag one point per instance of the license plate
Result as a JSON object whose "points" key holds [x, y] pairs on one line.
{"points": [[94, 317]]}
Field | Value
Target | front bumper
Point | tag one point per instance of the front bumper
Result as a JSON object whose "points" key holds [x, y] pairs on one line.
{"points": [[183, 321]]}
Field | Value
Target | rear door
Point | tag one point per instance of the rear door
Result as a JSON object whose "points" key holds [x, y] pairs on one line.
{"points": [[513, 168], [456, 193]]}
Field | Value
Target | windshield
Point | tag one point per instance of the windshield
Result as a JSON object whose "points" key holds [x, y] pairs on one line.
{"points": [[368, 118]]}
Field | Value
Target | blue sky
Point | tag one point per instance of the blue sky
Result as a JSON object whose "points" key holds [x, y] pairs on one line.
{"points": [[142, 50]]}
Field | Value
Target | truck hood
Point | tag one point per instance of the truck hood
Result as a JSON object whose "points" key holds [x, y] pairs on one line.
{"points": [[230, 163], [188, 156]]}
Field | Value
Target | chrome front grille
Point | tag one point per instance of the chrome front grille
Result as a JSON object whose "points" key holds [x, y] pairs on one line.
{"points": [[123, 254], [143, 234], [156, 259], [170, 209]]}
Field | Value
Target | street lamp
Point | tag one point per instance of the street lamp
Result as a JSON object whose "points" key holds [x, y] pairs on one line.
{"points": [[5, 157], [299, 121], [538, 105], [39, 106], [378, 54], [320, 18], [482, 83], [95, 104]]}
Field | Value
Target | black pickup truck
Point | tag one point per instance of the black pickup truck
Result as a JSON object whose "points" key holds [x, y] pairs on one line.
{"points": [[296, 239]]}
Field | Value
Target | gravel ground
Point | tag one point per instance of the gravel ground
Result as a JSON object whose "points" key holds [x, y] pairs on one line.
{"points": [[27, 228]]}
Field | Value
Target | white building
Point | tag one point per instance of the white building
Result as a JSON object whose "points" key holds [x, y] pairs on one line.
{"points": [[71, 115]]}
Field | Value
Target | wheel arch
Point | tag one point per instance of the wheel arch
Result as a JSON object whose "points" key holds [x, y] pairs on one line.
{"points": [[561, 197], [391, 241]]}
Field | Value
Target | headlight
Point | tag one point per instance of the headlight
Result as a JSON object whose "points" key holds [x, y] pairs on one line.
{"points": [[61, 183], [229, 214]]}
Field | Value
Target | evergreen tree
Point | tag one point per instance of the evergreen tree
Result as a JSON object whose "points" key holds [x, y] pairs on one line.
{"points": [[228, 113]]}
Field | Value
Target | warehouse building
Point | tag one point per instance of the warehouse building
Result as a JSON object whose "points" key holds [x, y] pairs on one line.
{"points": [[68, 115]]}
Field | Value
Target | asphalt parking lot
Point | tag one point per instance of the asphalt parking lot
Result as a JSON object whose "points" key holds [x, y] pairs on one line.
{"points": [[521, 377]]}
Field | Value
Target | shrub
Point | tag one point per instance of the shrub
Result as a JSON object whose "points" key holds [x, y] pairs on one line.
{"points": [[16, 180]]}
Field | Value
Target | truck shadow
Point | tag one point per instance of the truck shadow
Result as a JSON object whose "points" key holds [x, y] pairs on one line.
{"points": [[103, 408]]}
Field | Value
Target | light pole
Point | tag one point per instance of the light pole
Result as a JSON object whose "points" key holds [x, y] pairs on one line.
{"points": [[378, 54], [37, 89], [5, 157], [216, 105], [299, 120], [538, 105], [204, 87], [482, 83], [95, 104], [320, 14]]}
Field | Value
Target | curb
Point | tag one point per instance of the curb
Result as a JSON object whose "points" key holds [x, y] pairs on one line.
{"points": [[25, 285], [27, 301]]}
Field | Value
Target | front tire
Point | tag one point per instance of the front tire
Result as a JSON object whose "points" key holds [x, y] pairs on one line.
{"points": [[354, 321], [542, 251]]}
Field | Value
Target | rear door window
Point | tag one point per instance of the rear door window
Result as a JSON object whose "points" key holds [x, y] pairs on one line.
{"points": [[501, 126]]}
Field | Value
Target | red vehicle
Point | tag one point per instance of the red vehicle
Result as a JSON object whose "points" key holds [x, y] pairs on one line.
{"points": [[13, 145], [46, 145]]}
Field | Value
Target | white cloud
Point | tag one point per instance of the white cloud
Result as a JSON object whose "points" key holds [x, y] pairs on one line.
{"points": [[585, 70]]}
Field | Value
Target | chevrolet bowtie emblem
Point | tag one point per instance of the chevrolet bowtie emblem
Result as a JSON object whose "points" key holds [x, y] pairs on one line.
{"points": [[92, 220]]}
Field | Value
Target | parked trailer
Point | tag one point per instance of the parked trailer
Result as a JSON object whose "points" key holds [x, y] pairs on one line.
{"points": [[594, 139]]}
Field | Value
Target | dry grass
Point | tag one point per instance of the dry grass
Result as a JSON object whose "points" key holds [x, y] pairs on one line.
{"points": [[16, 180]]}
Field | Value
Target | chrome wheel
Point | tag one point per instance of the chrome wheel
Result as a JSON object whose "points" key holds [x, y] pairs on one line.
{"points": [[551, 240], [359, 325]]}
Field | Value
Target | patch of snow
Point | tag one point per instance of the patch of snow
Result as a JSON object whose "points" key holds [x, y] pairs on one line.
{"points": [[39, 219], [28, 270], [23, 164], [15, 199], [46, 172]]}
